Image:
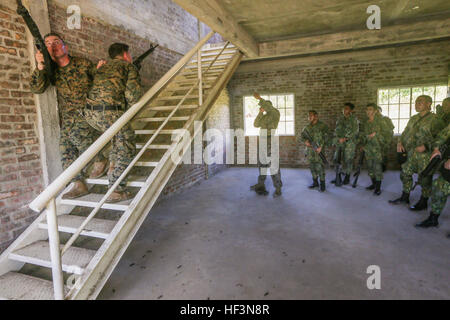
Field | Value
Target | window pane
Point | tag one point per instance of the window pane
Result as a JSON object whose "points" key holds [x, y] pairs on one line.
{"points": [[281, 102], [402, 125], [415, 93], [282, 115], [290, 127], [393, 111], [404, 111], [441, 93], [290, 114], [290, 101], [429, 91], [384, 110], [383, 97], [394, 96], [405, 95], [273, 99]]}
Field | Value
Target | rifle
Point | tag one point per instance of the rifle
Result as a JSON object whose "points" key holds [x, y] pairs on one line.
{"points": [[50, 65], [358, 170], [338, 181], [138, 61], [433, 164], [315, 146]]}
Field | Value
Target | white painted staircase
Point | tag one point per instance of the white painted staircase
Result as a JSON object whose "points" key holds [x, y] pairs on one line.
{"points": [[73, 246]]}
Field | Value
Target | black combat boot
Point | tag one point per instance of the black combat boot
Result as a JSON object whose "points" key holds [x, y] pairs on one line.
{"points": [[403, 199], [431, 221], [422, 204], [372, 186], [333, 181], [346, 179], [377, 190], [277, 192], [315, 184], [259, 189], [322, 186]]}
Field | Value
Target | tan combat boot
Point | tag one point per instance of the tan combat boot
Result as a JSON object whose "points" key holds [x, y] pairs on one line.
{"points": [[118, 196], [79, 189], [99, 169]]}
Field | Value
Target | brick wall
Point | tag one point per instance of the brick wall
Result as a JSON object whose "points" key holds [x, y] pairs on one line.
{"points": [[20, 166], [326, 87]]}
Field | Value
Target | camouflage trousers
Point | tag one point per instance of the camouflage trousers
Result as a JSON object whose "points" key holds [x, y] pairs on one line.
{"points": [[317, 169], [439, 193], [123, 143], [76, 135], [416, 163], [349, 155], [264, 167], [374, 160]]}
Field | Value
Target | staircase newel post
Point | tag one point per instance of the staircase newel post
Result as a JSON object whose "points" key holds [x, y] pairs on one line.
{"points": [[55, 253]]}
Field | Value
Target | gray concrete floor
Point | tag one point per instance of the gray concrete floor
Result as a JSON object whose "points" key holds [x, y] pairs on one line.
{"points": [[218, 240]]}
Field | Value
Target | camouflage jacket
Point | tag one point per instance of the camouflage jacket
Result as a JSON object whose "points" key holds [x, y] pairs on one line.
{"points": [[418, 132], [346, 128], [387, 127], [117, 83], [442, 137], [73, 82], [376, 143], [440, 121], [269, 120], [320, 135]]}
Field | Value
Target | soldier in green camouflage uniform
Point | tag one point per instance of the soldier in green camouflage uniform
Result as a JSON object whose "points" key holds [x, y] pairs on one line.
{"points": [[441, 186], [373, 140], [116, 87], [74, 77], [417, 139], [388, 132], [319, 132], [346, 136], [268, 123]]}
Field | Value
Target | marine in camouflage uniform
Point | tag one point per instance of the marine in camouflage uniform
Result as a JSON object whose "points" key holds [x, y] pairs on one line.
{"points": [[268, 123], [441, 186], [73, 82], [346, 136], [388, 133], [417, 139], [319, 132], [116, 87]]}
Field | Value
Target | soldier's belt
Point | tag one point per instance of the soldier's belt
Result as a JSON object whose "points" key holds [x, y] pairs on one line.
{"points": [[104, 108]]}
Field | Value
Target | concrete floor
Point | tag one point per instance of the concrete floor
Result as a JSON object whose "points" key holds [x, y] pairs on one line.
{"points": [[218, 240]]}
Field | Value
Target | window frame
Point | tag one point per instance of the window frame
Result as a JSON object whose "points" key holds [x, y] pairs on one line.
{"points": [[271, 94], [410, 87]]}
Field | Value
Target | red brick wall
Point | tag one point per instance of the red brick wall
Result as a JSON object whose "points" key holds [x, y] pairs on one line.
{"points": [[20, 166], [325, 88]]}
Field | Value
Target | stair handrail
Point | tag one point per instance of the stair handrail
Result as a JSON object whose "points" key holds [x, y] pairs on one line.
{"points": [[52, 191]]}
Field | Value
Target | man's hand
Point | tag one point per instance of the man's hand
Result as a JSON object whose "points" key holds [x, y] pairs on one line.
{"points": [[100, 63], [342, 140], [308, 144], [257, 96], [447, 164], [421, 148], [436, 153], [372, 135], [261, 109], [400, 147], [40, 60], [319, 149]]}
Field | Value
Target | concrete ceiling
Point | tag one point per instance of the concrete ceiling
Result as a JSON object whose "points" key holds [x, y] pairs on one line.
{"points": [[267, 20], [279, 28]]}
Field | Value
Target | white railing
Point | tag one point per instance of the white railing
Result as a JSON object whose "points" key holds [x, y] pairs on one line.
{"points": [[46, 200]]}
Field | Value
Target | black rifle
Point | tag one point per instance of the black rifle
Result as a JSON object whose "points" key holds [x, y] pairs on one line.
{"points": [[138, 61], [50, 65], [358, 169], [338, 181], [315, 146], [433, 164]]}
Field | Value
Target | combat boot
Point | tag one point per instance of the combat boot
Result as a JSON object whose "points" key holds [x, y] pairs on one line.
{"points": [[315, 184], [403, 199], [118, 196], [346, 179], [372, 186], [79, 189], [277, 192], [377, 190], [256, 186], [99, 169], [422, 204], [322, 186], [431, 221]]}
